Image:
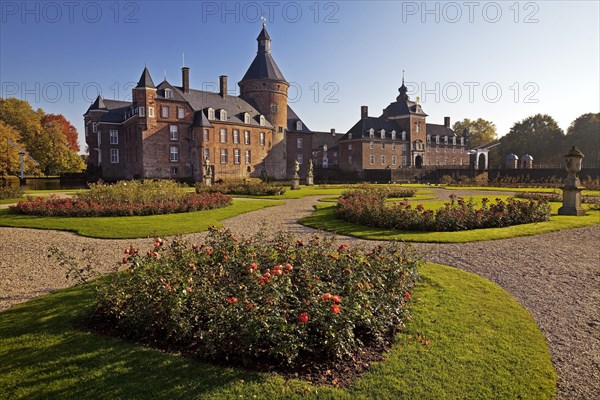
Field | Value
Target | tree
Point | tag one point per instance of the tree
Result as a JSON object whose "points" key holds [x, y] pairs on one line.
{"points": [[539, 136], [50, 149], [66, 127], [19, 114], [481, 131], [584, 133], [9, 156]]}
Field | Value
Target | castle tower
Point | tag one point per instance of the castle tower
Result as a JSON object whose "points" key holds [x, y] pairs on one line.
{"points": [[266, 89], [144, 100]]}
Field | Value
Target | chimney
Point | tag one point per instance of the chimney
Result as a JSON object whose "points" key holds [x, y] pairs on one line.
{"points": [[364, 112], [333, 132], [185, 79], [223, 85], [447, 122]]}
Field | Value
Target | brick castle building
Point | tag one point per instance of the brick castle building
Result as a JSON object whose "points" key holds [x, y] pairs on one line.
{"points": [[167, 131]]}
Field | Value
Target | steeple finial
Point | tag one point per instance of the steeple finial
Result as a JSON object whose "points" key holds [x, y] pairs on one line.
{"points": [[402, 77]]}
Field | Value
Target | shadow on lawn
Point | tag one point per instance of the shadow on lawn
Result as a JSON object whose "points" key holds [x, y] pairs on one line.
{"points": [[73, 364]]}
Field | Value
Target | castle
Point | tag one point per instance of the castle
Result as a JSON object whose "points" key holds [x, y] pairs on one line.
{"points": [[168, 131]]}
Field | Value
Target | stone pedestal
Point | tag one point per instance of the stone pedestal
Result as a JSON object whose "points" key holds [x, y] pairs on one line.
{"points": [[571, 201], [296, 183], [310, 181], [208, 180]]}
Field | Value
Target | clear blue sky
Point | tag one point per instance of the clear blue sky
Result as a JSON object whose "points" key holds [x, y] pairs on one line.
{"points": [[502, 61]]}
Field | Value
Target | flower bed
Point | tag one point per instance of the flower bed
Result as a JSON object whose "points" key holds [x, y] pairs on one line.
{"points": [[368, 207], [10, 192], [249, 188], [122, 199], [555, 197], [279, 301]]}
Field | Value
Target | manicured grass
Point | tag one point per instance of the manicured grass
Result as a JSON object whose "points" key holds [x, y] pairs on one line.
{"points": [[316, 190], [324, 218], [484, 345], [521, 189], [138, 226], [11, 201]]}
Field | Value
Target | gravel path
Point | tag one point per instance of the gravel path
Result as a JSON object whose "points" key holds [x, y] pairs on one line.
{"points": [[555, 276]]}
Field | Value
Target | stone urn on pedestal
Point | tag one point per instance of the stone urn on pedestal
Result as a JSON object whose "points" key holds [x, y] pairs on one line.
{"points": [[572, 188], [311, 176]]}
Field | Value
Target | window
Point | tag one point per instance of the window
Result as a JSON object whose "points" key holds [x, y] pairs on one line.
{"points": [[114, 137], [262, 120], [180, 112], [236, 156], [236, 136], [94, 127], [349, 136], [418, 127], [382, 146], [382, 160], [151, 112], [454, 141], [334, 154], [262, 138], [393, 135], [273, 107], [223, 135], [461, 161], [298, 125], [174, 170], [404, 160], [206, 135], [371, 159], [437, 139], [453, 161], [405, 147], [428, 138], [223, 156], [114, 156], [248, 157], [325, 162], [371, 145], [383, 133], [142, 111], [173, 133], [403, 135], [164, 112], [393, 160], [299, 158], [246, 137], [246, 118], [207, 154], [174, 153], [437, 149], [371, 133], [299, 143], [168, 94], [349, 159], [211, 113], [445, 139], [350, 146], [462, 141], [393, 146], [223, 115]]}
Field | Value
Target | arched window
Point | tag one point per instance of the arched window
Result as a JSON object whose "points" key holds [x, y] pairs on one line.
{"points": [[223, 115], [262, 120], [403, 135], [382, 133], [246, 118], [371, 133], [394, 135], [298, 125]]}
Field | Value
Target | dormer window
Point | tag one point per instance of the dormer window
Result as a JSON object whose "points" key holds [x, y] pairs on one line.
{"points": [[246, 118], [445, 139], [403, 135], [211, 113], [223, 115], [349, 136], [298, 125], [428, 138], [454, 141], [437, 139], [393, 135], [462, 141], [262, 120], [371, 133], [168, 94], [382, 133]]}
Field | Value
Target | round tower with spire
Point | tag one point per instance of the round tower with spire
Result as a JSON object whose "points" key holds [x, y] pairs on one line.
{"points": [[265, 87], [144, 99]]}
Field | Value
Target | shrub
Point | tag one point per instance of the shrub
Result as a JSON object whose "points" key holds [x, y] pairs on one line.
{"points": [[10, 192], [368, 207], [280, 300], [399, 192], [249, 188], [446, 180], [123, 199], [553, 197]]}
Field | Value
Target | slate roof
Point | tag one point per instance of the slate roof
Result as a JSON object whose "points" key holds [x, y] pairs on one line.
{"points": [[263, 66], [145, 80], [439, 130], [114, 110], [292, 118], [362, 127]]}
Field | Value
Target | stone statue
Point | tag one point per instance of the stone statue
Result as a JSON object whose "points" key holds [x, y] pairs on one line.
{"points": [[310, 168], [207, 171], [296, 168]]}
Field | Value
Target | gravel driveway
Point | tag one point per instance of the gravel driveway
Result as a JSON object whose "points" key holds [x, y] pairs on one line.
{"points": [[555, 276]]}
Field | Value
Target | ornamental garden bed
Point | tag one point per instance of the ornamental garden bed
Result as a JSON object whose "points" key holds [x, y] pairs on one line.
{"points": [[299, 307], [125, 198]]}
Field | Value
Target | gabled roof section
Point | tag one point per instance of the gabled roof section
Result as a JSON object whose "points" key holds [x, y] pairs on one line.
{"points": [[439, 130], [160, 91], [362, 127], [98, 105], [115, 111], [146, 80], [292, 118]]}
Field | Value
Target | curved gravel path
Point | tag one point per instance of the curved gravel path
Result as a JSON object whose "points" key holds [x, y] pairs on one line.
{"points": [[555, 276]]}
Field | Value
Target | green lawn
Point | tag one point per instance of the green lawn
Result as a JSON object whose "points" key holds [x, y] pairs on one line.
{"points": [[523, 189], [136, 227], [328, 190], [11, 201], [484, 345], [324, 218]]}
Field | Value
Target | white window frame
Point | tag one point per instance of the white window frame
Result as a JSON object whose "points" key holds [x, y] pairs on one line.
{"points": [[173, 154], [211, 113], [164, 111], [236, 136], [371, 145], [349, 136], [248, 156], [383, 159], [382, 145], [206, 135], [247, 139], [371, 160], [151, 112], [114, 136], [393, 135], [142, 111], [168, 94], [371, 133], [246, 118], [207, 153], [382, 133], [298, 125], [394, 160], [223, 115], [237, 156], [300, 158], [349, 146], [262, 138], [403, 135], [173, 132], [223, 135], [262, 120], [180, 112], [299, 143], [404, 160], [114, 156], [224, 156]]}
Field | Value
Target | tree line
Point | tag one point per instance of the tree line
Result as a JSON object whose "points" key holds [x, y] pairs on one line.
{"points": [[49, 138], [539, 136]]}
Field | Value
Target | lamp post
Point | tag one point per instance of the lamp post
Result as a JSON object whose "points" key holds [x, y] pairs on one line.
{"points": [[572, 188]]}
